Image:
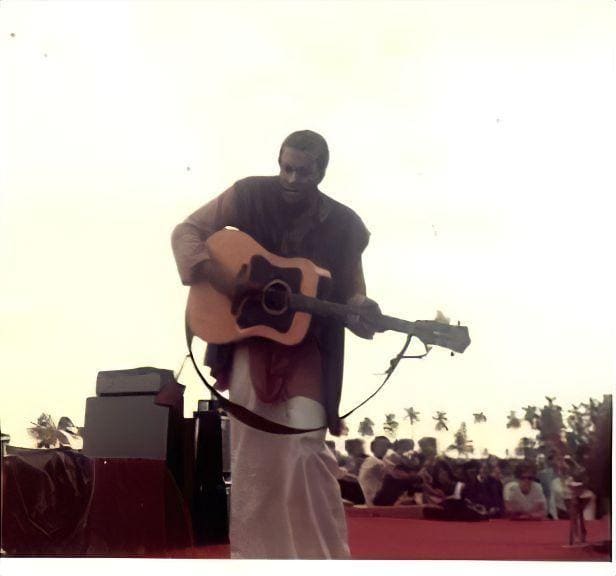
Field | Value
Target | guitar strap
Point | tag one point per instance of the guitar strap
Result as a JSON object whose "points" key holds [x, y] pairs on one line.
{"points": [[253, 420]]}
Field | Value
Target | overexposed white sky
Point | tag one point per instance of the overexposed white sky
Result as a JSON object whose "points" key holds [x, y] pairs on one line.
{"points": [[475, 139]]}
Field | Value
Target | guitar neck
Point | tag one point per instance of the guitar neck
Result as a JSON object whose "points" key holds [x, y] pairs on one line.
{"points": [[430, 332], [327, 309]]}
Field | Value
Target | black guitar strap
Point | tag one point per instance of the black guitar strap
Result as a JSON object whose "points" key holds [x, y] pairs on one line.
{"points": [[253, 420]]}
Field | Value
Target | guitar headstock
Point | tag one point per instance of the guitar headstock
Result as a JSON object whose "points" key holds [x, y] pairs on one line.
{"points": [[433, 333]]}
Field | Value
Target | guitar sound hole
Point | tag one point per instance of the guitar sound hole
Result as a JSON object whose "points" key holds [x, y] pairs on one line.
{"points": [[275, 297], [253, 312]]}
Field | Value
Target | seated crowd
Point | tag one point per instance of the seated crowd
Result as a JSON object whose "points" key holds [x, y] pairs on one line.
{"points": [[448, 489]]}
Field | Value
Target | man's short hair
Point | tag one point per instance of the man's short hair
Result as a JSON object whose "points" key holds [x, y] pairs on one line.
{"points": [[310, 142], [379, 439], [404, 442]]}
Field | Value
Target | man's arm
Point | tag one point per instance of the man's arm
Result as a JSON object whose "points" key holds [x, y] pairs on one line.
{"points": [[189, 238]]}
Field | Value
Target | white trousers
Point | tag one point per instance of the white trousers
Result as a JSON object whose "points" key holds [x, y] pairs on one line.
{"points": [[285, 498]]}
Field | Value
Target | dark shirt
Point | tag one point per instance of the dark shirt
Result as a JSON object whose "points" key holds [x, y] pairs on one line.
{"points": [[325, 231], [488, 492]]}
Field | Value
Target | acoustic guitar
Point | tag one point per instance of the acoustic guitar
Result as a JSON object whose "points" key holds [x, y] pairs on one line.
{"points": [[282, 300]]}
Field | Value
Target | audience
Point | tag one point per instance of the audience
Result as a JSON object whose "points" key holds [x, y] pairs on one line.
{"points": [[382, 482], [401, 454], [468, 490], [524, 498], [356, 455], [340, 458], [568, 471], [483, 489], [439, 482], [546, 473], [505, 471], [444, 494], [373, 468], [350, 489]]}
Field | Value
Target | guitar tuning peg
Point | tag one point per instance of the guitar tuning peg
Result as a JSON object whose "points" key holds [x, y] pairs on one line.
{"points": [[452, 354], [458, 322]]}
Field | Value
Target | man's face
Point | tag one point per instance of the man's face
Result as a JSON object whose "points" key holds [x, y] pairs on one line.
{"points": [[443, 476], [355, 449], [526, 481], [380, 447], [299, 174]]}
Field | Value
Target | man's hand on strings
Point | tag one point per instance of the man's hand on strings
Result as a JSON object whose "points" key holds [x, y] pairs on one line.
{"points": [[361, 323], [237, 287], [244, 287], [219, 276]]}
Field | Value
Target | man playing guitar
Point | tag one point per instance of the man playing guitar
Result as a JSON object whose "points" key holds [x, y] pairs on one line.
{"points": [[285, 499]]}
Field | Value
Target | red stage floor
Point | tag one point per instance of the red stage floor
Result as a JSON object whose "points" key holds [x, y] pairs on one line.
{"points": [[136, 510], [382, 538]]}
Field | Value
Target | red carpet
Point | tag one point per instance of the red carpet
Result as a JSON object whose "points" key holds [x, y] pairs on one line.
{"points": [[382, 538], [414, 539]]}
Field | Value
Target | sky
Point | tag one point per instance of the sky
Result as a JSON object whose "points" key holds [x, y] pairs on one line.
{"points": [[475, 139]]}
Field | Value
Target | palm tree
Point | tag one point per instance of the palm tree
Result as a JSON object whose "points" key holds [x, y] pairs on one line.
{"points": [[365, 427], [531, 416], [441, 420], [581, 425], [45, 432], [48, 435], [550, 426], [551, 421], [592, 409], [462, 444], [479, 418], [412, 415], [390, 426], [512, 420], [69, 434], [576, 420]]}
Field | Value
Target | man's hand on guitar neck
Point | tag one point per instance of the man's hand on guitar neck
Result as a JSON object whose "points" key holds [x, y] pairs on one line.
{"points": [[360, 323]]}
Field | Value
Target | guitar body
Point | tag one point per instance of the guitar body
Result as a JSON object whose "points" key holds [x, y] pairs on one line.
{"points": [[210, 315]]}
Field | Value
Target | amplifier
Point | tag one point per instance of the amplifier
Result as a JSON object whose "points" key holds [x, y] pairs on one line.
{"points": [[132, 381], [127, 427]]}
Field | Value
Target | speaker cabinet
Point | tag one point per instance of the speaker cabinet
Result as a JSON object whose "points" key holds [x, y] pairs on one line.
{"points": [[126, 427]]}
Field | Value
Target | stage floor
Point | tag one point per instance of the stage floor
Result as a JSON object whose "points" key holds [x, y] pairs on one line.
{"points": [[386, 538]]}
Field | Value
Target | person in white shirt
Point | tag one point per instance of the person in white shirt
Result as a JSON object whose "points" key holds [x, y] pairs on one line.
{"points": [[524, 498], [382, 482], [373, 469], [401, 453]]}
